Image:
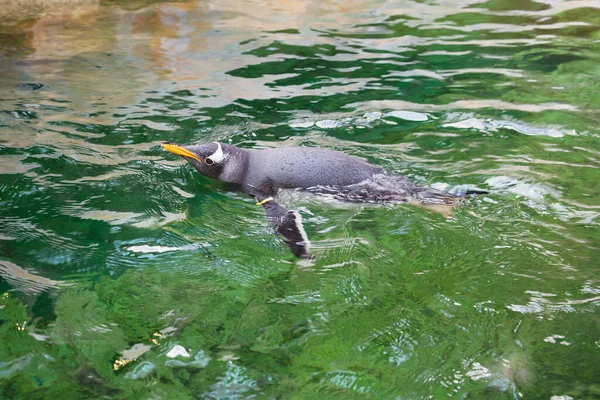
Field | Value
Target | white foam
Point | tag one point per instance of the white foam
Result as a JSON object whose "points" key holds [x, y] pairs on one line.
{"points": [[161, 249], [177, 351], [408, 115]]}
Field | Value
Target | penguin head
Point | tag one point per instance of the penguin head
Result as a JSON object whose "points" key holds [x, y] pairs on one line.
{"points": [[208, 159]]}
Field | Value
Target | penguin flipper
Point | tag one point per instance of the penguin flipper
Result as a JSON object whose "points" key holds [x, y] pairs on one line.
{"points": [[289, 226]]}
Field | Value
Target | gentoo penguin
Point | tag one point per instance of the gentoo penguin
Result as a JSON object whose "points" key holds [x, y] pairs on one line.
{"points": [[261, 173]]}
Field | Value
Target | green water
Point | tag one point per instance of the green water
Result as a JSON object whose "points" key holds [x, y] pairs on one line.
{"points": [[113, 251]]}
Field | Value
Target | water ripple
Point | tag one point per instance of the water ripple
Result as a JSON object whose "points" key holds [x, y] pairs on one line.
{"points": [[114, 253]]}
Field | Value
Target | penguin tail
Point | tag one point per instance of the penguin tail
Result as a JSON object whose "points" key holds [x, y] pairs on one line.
{"points": [[442, 201], [466, 191], [435, 196]]}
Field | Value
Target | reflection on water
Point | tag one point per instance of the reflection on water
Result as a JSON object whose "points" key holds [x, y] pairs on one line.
{"points": [[123, 272]]}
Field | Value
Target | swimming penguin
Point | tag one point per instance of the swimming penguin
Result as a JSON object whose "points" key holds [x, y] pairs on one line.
{"points": [[261, 173]]}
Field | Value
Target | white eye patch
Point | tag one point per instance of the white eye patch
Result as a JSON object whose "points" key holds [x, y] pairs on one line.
{"points": [[218, 155]]}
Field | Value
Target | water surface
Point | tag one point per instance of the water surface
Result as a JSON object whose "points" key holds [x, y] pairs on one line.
{"points": [[124, 274]]}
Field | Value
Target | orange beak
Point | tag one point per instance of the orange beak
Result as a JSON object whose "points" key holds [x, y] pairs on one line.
{"points": [[180, 151]]}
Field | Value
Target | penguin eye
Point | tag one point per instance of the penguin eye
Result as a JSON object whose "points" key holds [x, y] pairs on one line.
{"points": [[208, 161]]}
